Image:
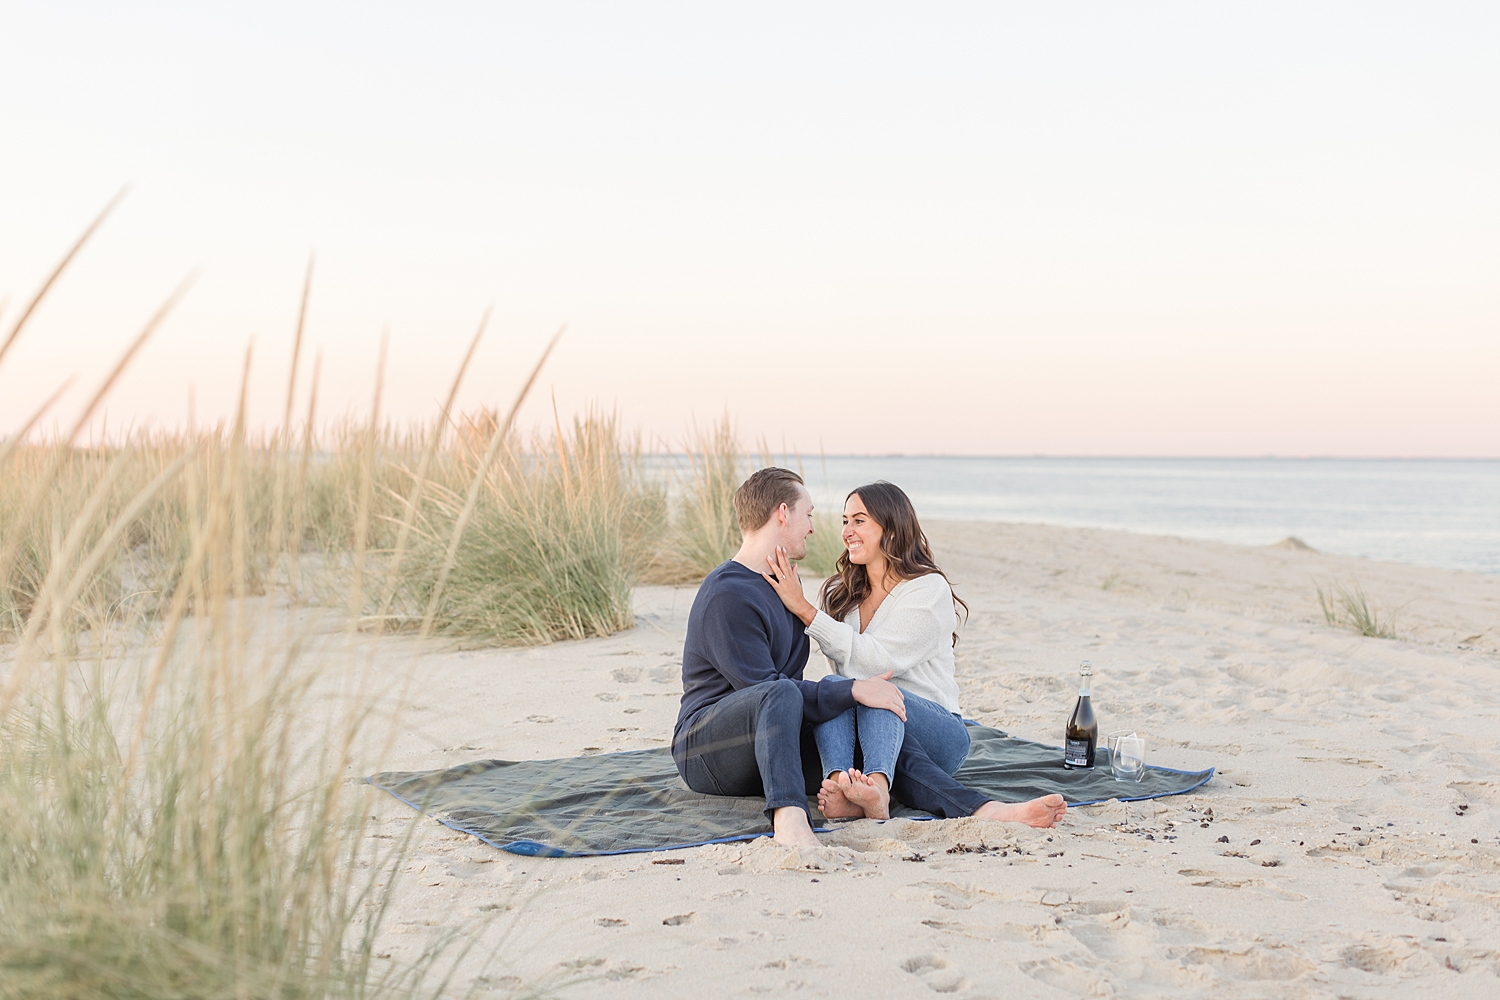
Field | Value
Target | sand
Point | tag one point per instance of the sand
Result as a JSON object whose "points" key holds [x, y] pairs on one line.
{"points": [[1349, 847]]}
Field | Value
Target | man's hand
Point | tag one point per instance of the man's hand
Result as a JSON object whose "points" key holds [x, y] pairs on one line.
{"points": [[879, 692], [784, 580]]}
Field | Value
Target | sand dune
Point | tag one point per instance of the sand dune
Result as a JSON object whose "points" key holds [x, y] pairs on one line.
{"points": [[1350, 846]]}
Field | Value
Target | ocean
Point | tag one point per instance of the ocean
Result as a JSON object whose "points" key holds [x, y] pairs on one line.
{"points": [[1431, 512]]}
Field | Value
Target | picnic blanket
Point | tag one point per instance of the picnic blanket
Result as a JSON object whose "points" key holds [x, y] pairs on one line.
{"points": [[634, 801]]}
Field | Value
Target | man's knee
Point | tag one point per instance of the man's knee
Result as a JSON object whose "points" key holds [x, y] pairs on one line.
{"points": [[782, 695], [780, 707]]}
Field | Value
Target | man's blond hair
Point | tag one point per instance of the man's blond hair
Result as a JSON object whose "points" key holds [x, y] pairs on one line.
{"points": [[759, 496]]}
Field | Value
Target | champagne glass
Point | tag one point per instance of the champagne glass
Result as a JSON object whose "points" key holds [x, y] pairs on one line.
{"points": [[1128, 758]]}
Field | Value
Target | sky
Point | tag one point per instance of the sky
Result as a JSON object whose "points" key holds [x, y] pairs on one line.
{"points": [[1081, 229]]}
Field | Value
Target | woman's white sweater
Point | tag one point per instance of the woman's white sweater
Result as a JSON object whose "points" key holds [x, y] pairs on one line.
{"points": [[911, 633]]}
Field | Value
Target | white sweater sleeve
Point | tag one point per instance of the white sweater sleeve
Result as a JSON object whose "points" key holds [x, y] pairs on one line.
{"points": [[910, 633]]}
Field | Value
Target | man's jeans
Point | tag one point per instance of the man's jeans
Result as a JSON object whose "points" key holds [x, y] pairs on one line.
{"points": [[753, 742], [880, 733]]}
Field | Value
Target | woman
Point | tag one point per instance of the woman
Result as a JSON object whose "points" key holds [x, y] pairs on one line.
{"points": [[889, 612]]}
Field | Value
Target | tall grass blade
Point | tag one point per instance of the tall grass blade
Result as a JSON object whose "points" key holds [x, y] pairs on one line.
{"points": [[62, 265], [419, 480]]}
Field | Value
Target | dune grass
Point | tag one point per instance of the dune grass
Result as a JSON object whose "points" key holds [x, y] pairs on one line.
{"points": [[144, 561], [559, 526], [1349, 607], [824, 546], [174, 819], [702, 530], [553, 545], [170, 830]]}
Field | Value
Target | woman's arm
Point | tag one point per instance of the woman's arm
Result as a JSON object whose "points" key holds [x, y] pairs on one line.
{"points": [[874, 690], [912, 627]]}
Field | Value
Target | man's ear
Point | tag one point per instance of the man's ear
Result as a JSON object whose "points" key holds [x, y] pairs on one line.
{"points": [[782, 513]]}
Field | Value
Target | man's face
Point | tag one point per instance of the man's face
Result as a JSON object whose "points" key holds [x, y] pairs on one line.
{"points": [[799, 525]]}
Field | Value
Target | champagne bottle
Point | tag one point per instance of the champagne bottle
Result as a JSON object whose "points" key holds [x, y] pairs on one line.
{"points": [[1082, 734]]}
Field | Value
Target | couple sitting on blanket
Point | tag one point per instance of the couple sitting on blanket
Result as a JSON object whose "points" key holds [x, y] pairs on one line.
{"points": [[751, 725]]}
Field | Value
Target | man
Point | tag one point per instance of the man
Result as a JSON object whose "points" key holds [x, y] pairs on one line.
{"points": [[744, 727]]}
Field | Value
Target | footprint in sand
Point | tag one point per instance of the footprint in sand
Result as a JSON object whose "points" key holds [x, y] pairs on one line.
{"points": [[948, 895], [791, 962], [935, 973], [1070, 979], [623, 970], [1253, 962], [1376, 960]]}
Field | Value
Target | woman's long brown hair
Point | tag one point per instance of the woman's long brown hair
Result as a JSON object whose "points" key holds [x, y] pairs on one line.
{"points": [[907, 553]]}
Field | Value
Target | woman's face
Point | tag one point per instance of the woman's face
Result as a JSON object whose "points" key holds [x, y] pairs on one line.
{"points": [[861, 533]]}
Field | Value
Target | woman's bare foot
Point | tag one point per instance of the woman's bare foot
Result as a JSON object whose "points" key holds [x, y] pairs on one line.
{"points": [[1042, 812], [833, 803], [871, 792], [792, 829]]}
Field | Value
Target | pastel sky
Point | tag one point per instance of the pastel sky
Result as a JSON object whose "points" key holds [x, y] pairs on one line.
{"points": [[1085, 228]]}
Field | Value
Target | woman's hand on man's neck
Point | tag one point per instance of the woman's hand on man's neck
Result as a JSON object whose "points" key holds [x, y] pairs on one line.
{"points": [[754, 552]]}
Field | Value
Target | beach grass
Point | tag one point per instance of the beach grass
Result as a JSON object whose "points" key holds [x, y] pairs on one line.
{"points": [[552, 547], [176, 825], [702, 530], [175, 819], [177, 739], [824, 545], [1349, 607]]}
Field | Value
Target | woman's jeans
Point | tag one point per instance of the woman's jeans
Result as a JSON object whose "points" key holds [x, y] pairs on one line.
{"points": [[880, 734]]}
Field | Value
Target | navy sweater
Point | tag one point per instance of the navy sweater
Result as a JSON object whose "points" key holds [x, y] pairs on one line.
{"points": [[739, 633]]}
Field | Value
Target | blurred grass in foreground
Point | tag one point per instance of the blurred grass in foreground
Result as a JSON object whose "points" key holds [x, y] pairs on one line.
{"points": [[176, 814], [175, 819]]}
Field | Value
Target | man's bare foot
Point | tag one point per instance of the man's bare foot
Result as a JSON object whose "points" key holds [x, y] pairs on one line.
{"points": [[792, 828], [1042, 812], [871, 792], [832, 802]]}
